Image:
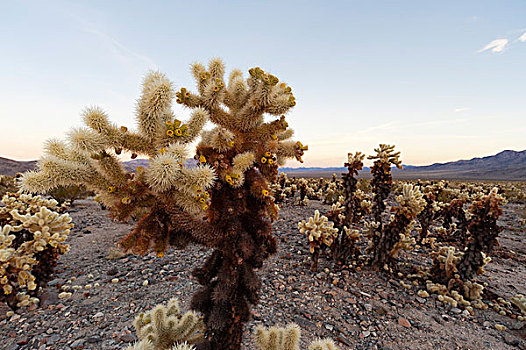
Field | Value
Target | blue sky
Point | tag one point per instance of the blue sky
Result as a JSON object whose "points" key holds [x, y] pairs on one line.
{"points": [[442, 80]]}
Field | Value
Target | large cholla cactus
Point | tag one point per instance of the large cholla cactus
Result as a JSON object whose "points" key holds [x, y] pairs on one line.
{"points": [[32, 237], [320, 233], [238, 159], [165, 327], [388, 240], [286, 339]]}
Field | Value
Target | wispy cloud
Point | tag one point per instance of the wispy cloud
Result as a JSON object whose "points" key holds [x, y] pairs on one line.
{"points": [[118, 49], [497, 45], [461, 109], [523, 37]]}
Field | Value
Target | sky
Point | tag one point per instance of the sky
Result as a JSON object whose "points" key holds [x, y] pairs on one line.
{"points": [[441, 80]]}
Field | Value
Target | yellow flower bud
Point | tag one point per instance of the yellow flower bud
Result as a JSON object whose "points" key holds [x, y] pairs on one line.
{"points": [[160, 254], [202, 200], [271, 161], [111, 189], [268, 154], [263, 160], [274, 137], [202, 159], [170, 133], [264, 192], [205, 207], [169, 122], [126, 200], [124, 129], [228, 178], [231, 143], [178, 132], [162, 150]]}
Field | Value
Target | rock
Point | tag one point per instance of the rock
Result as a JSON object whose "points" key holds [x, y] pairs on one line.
{"points": [[112, 272], [4, 309], [23, 341], [78, 344], [404, 322], [329, 326], [511, 340], [48, 298], [445, 317], [455, 310], [93, 339], [98, 315], [486, 324], [127, 338]]}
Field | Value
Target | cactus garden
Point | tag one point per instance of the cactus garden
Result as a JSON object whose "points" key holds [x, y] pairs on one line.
{"points": [[262, 176]]}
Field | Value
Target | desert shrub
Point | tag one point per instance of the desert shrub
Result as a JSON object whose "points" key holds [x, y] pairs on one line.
{"points": [[32, 237], [223, 202]]}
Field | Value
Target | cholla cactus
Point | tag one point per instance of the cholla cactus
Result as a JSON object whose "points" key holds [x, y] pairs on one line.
{"points": [[484, 231], [392, 237], [286, 339], [427, 215], [382, 180], [320, 233], [303, 186], [165, 326], [455, 210], [7, 184], [445, 264], [520, 301], [32, 237], [352, 203], [238, 159], [148, 345]]}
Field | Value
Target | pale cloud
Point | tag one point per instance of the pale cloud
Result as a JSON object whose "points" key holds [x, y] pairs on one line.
{"points": [[461, 109], [497, 45], [523, 37]]}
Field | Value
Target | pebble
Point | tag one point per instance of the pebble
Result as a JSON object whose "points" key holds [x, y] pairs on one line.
{"points": [[404, 322]]}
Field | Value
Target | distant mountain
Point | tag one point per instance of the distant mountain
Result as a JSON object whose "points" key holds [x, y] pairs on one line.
{"points": [[11, 167], [506, 165]]}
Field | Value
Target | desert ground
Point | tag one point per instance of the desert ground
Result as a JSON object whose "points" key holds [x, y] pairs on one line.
{"points": [[358, 309]]}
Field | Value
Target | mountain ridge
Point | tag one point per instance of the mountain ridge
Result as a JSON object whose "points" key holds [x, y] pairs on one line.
{"points": [[507, 165]]}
